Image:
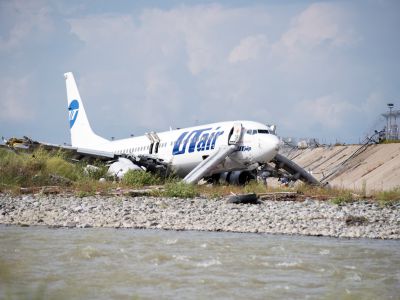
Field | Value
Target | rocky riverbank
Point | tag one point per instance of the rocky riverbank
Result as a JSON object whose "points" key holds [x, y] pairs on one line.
{"points": [[309, 217]]}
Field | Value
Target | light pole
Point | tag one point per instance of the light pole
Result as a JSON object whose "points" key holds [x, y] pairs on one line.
{"points": [[389, 126]]}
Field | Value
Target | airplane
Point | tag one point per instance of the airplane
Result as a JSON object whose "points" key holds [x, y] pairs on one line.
{"points": [[230, 150]]}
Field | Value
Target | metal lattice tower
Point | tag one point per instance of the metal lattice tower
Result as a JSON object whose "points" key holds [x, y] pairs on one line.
{"points": [[392, 129]]}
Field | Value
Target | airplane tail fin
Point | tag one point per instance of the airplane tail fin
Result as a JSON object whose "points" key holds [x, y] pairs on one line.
{"points": [[82, 135]]}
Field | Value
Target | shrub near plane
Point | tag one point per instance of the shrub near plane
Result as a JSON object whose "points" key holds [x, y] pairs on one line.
{"points": [[229, 148]]}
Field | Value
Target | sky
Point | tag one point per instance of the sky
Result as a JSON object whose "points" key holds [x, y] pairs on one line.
{"points": [[322, 69]]}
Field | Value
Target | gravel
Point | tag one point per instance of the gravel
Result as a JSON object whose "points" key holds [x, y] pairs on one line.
{"points": [[310, 217]]}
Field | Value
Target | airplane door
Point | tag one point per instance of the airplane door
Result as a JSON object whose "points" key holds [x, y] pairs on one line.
{"points": [[234, 138], [154, 142], [151, 148]]}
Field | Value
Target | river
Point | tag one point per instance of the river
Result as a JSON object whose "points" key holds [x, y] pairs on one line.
{"points": [[100, 263]]}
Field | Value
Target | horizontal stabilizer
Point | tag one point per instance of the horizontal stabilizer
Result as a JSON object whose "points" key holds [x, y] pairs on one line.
{"points": [[204, 168]]}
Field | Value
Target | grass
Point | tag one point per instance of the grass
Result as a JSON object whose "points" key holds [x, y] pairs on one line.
{"points": [[343, 198], [89, 187], [388, 197], [255, 187], [42, 168], [36, 169], [180, 189], [137, 178]]}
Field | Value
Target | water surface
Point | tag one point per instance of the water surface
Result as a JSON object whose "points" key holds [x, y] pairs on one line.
{"points": [[147, 264]]}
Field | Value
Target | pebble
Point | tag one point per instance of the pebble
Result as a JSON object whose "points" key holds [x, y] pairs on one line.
{"points": [[311, 217]]}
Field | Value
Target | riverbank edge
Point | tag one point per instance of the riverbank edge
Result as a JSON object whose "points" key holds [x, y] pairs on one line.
{"points": [[361, 219]]}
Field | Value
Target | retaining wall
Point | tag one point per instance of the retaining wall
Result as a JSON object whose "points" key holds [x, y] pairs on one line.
{"points": [[377, 167]]}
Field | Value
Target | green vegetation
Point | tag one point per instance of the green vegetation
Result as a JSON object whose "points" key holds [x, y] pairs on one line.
{"points": [[388, 197], [343, 198], [44, 168], [36, 169], [180, 189], [255, 187], [137, 178], [318, 191]]}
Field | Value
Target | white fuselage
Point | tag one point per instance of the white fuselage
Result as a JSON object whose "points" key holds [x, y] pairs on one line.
{"points": [[185, 148]]}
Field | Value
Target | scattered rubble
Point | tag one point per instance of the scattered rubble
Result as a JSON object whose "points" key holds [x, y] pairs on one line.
{"points": [[307, 217]]}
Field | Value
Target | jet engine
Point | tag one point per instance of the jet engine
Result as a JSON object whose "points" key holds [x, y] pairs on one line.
{"points": [[237, 177]]}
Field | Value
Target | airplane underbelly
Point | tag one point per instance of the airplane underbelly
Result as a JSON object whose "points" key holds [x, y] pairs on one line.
{"points": [[183, 165], [183, 169], [229, 165]]}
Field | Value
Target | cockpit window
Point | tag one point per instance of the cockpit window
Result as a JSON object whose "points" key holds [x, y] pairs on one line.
{"points": [[251, 131], [265, 131]]}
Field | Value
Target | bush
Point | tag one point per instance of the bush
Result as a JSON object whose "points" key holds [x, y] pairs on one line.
{"points": [[180, 189], [139, 178], [19, 169], [35, 169], [346, 197], [58, 166]]}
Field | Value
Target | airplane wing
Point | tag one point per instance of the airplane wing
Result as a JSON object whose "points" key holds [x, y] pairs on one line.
{"points": [[27, 144], [211, 162]]}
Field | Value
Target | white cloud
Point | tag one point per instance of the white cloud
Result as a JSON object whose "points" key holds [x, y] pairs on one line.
{"points": [[100, 28], [188, 53], [15, 105], [162, 102], [249, 48], [24, 19], [327, 111], [166, 58], [374, 103], [204, 31], [321, 24]]}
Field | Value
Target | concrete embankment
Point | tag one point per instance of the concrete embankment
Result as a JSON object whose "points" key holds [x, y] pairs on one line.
{"points": [[309, 217], [373, 168]]}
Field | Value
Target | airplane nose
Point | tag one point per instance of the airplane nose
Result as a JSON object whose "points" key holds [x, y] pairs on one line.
{"points": [[276, 143], [269, 146]]}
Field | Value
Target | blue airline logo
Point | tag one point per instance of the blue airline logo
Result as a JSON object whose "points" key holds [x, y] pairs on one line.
{"points": [[243, 148], [197, 140], [73, 110]]}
